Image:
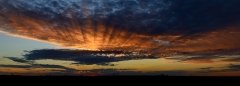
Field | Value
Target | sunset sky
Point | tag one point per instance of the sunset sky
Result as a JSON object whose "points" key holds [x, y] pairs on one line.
{"points": [[120, 37]]}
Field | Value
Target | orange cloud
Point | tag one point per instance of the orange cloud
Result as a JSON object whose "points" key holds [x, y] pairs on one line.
{"points": [[224, 39], [98, 36], [89, 36]]}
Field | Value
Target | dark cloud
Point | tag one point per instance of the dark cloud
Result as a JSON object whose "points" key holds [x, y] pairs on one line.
{"points": [[208, 55], [32, 64], [122, 72], [80, 56], [85, 57], [159, 16], [96, 72], [53, 66], [39, 66], [202, 58], [207, 68], [233, 67], [15, 66], [227, 69], [20, 60], [93, 72], [235, 59], [197, 58]]}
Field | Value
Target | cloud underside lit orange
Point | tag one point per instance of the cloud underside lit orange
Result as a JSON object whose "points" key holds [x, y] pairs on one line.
{"points": [[97, 36], [76, 36]]}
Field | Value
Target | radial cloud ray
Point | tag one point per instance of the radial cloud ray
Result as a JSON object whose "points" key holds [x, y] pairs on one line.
{"points": [[156, 26]]}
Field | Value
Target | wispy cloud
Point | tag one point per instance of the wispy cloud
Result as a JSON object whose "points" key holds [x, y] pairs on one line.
{"points": [[32, 64]]}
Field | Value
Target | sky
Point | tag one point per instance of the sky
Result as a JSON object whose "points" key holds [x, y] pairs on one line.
{"points": [[14, 46], [120, 37]]}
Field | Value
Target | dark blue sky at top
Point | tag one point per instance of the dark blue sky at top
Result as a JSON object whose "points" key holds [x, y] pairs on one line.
{"points": [[140, 16]]}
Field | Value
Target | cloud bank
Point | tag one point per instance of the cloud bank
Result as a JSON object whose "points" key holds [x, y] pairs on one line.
{"points": [[124, 24]]}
